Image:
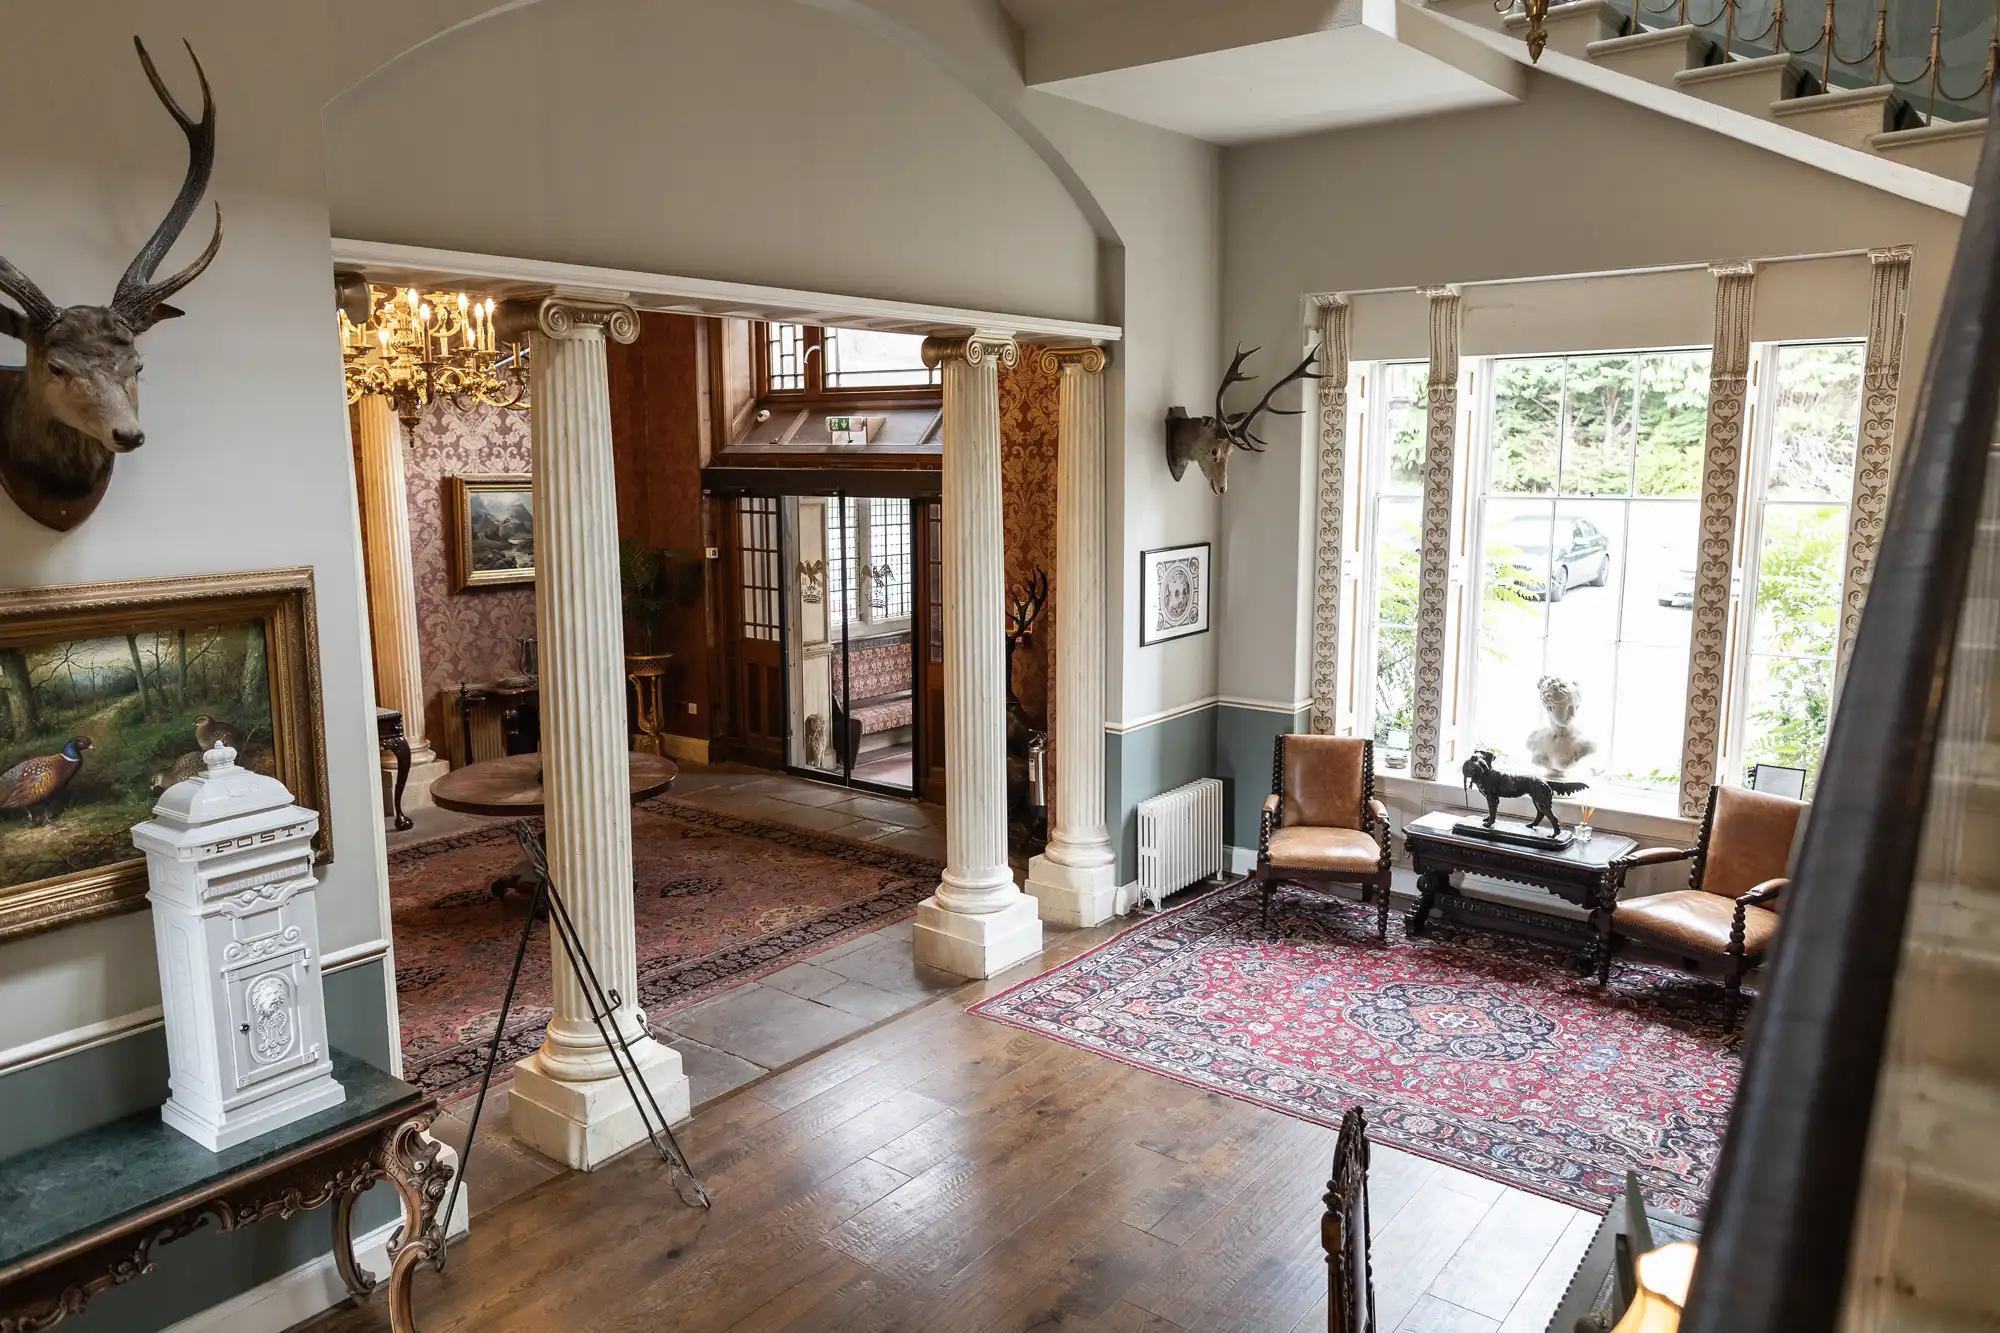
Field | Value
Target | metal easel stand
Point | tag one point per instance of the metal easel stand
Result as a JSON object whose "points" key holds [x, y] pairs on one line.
{"points": [[603, 1010]]}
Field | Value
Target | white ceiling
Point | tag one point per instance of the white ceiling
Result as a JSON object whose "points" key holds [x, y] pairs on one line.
{"points": [[1318, 81], [1236, 71]]}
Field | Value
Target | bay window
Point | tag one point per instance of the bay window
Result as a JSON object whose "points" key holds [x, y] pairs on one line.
{"points": [[1582, 482]]}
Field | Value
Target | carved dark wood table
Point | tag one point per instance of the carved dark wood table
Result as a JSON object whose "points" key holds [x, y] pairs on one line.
{"points": [[85, 1213], [1588, 874], [389, 735], [511, 788]]}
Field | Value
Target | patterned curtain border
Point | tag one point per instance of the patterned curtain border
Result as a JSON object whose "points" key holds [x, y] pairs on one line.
{"points": [[1875, 452], [1333, 316], [1721, 485], [1434, 573]]}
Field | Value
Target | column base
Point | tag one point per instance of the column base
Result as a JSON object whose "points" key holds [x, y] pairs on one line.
{"points": [[587, 1124], [980, 944], [1074, 895], [417, 794]]}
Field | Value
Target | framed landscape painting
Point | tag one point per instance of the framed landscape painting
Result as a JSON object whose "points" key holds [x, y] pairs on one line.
{"points": [[493, 532], [109, 693], [1173, 593]]}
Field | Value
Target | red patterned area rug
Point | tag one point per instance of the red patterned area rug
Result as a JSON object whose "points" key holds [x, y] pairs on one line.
{"points": [[719, 901], [1483, 1051]]}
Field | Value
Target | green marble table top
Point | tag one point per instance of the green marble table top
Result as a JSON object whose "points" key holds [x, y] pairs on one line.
{"points": [[91, 1181]]}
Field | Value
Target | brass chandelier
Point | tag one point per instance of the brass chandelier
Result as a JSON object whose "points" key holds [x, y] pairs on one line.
{"points": [[416, 347]]}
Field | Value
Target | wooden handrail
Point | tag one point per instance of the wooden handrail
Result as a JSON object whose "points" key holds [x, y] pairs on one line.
{"points": [[1774, 1250]]}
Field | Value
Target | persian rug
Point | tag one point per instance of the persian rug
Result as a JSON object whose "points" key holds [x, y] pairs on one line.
{"points": [[718, 901], [1483, 1051]]}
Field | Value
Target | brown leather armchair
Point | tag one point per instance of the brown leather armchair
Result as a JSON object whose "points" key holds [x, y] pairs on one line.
{"points": [[1322, 824], [1729, 911]]}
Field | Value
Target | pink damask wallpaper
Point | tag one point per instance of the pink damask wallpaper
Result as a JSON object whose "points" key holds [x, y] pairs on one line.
{"points": [[469, 635], [1028, 434]]}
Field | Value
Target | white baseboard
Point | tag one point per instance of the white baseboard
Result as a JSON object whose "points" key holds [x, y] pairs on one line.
{"points": [[312, 1288], [1242, 860]]}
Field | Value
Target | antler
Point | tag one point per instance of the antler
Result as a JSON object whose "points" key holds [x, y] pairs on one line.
{"points": [[1233, 375], [139, 299], [1238, 426], [39, 309], [1025, 608]]}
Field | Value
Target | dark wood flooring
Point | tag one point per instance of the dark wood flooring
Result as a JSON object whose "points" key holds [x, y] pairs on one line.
{"points": [[943, 1173]]}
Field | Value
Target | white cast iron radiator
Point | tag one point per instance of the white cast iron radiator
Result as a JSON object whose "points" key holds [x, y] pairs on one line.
{"points": [[1180, 838]]}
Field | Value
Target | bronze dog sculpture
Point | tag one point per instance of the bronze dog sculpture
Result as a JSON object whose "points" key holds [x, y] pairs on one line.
{"points": [[1493, 785]]}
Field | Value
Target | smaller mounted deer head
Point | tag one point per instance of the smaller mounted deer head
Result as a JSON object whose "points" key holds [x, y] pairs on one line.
{"points": [[75, 405], [1208, 441], [1024, 610]]}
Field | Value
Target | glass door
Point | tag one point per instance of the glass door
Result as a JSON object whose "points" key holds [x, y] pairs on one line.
{"points": [[853, 649]]}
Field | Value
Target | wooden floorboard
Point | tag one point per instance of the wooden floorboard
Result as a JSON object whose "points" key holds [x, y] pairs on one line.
{"points": [[945, 1174]]}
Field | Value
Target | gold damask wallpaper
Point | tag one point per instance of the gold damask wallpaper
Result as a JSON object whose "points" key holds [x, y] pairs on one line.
{"points": [[1028, 433]]}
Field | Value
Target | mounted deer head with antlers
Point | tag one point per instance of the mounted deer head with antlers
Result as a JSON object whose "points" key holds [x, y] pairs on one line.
{"points": [[1208, 441], [68, 413]]}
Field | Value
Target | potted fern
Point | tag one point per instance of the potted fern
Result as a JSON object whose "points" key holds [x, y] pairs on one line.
{"points": [[652, 583]]}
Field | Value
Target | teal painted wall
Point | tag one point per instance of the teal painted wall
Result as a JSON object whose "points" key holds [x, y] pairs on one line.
{"points": [[1146, 761], [1243, 738], [119, 1078]]}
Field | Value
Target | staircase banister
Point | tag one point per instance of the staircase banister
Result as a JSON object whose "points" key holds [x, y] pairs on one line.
{"points": [[1775, 1246]]}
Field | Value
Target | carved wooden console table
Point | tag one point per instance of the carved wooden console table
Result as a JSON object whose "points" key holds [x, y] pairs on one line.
{"points": [[1587, 874], [85, 1213]]}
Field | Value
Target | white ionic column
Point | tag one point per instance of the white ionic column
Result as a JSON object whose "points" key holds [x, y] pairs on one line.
{"points": [[978, 922], [392, 596], [569, 1102], [1076, 880]]}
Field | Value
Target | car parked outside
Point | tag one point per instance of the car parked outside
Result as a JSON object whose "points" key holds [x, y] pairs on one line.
{"points": [[1571, 549]]}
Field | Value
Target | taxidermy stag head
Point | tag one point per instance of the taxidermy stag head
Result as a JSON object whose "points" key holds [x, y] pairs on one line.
{"points": [[68, 413], [1208, 441]]}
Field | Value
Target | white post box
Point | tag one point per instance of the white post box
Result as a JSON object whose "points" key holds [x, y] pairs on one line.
{"points": [[230, 862]]}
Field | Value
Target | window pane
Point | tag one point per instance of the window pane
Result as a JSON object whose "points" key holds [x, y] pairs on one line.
{"points": [[1597, 444], [843, 520], [871, 359], [1659, 582], [1406, 407], [784, 351], [1395, 686], [1790, 704], [1646, 722], [1814, 422], [1514, 550], [1527, 416], [1798, 579], [1398, 556], [1673, 422], [889, 582], [1586, 564]]}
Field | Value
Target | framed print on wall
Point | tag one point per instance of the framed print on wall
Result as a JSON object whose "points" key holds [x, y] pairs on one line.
{"points": [[493, 529], [109, 693], [1173, 593]]}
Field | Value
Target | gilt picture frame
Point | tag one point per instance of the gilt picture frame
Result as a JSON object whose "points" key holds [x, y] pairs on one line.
{"points": [[1174, 591], [109, 693], [493, 529]]}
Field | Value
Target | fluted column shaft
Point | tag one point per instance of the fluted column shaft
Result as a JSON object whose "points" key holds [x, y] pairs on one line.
{"points": [[973, 925], [1079, 836], [976, 874], [1075, 880], [385, 546]]}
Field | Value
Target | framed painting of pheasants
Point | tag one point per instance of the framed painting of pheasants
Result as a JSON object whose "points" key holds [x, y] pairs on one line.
{"points": [[109, 694]]}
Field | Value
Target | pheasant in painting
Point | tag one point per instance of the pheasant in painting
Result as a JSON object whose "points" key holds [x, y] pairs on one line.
{"points": [[210, 732], [33, 785]]}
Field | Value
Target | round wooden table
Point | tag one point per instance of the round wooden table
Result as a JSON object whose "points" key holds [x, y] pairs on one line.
{"points": [[511, 788]]}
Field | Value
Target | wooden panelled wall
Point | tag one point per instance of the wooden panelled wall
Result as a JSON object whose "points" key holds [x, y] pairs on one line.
{"points": [[660, 436]]}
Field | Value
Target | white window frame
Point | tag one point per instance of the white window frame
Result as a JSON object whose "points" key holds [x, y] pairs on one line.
{"points": [[1374, 459], [1732, 759]]}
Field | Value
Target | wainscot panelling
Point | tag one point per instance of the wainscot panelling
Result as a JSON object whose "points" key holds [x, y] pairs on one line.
{"points": [[1146, 760]]}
